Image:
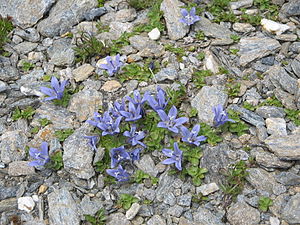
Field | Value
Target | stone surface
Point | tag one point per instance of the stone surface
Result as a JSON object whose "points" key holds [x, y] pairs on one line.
{"points": [[8, 73], [147, 165], [169, 73], [252, 48], [286, 148], [82, 72], [287, 100], [242, 214], [204, 216], [111, 86], [146, 47], [276, 126], [243, 27], [291, 212], [205, 100], [274, 27], [171, 10], [64, 15], [154, 34], [90, 207], [291, 8], [25, 47], [85, 103], [241, 4], [175, 211], [288, 178], [12, 146], [61, 52], [296, 65], [270, 111], [26, 203], [134, 209], [19, 168], [8, 204], [78, 161], [207, 189], [248, 116], [156, 220], [62, 208], [117, 218]]}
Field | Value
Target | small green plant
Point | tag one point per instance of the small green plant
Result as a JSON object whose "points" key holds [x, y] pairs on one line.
{"points": [[56, 161], [34, 130], [235, 38], [271, 101], [264, 203], [135, 71], [176, 97], [98, 219], [269, 10], [100, 4], [197, 174], [221, 11], [233, 89], [193, 112], [101, 27], [252, 19], [234, 51], [212, 137], [200, 36], [239, 127], [199, 77], [62, 135], [201, 56], [27, 66], [44, 122], [23, 114], [141, 4], [125, 201], [180, 52], [249, 106], [293, 115], [140, 175], [6, 27], [64, 102]]}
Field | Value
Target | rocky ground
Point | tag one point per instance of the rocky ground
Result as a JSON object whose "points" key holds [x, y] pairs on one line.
{"points": [[253, 169]]}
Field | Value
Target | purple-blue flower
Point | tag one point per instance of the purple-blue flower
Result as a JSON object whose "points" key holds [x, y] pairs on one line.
{"points": [[120, 174], [57, 90], [189, 18], [117, 155], [158, 103], [92, 141], [41, 156], [133, 113], [221, 116], [115, 110], [112, 66], [169, 121], [191, 136], [135, 154], [134, 136], [174, 156], [137, 98]]}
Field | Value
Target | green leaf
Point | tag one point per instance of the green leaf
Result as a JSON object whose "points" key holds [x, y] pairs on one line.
{"points": [[62, 135]]}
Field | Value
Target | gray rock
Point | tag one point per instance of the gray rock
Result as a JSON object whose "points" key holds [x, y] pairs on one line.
{"points": [[85, 103], [25, 47], [12, 146], [252, 48], [286, 148], [243, 27], [62, 208], [8, 73], [286, 37], [170, 199], [3, 86], [164, 186], [264, 181], [184, 200], [240, 4], [61, 52], [147, 165], [175, 211], [243, 214], [83, 72], [20, 168], [296, 66], [156, 220], [207, 189], [29, 34], [248, 116], [292, 8], [78, 161], [25, 13], [205, 100], [295, 47], [206, 217], [171, 9], [117, 218], [90, 207], [291, 212], [134, 209], [269, 60], [276, 126], [288, 100], [288, 178], [125, 15], [64, 15], [8, 204], [212, 29], [94, 13], [169, 73], [270, 111], [146, 47]]}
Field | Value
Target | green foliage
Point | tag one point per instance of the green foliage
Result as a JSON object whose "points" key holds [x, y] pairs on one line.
{"points": [[176, 97], [234, 51], [6, 27], [269, 10], [264, 203], [239, 127], [235, 179], [197, 174], [34, 130], [88, 47], [116, 45], [140, 175], [23, 114], [141, 4], [193, 112], [271, 101], [201, 56], [26, 66], [98, 219], [100, 4], [62, 135], [103, 164], [44, 122], [200, 36], [64, 102], [293, 115], [235, 38], [135, 71], [180, 52], [212, 137], [56, 161], [199, 77], [47, 77], [125, 201], [252, 19], [249, 106], [221, 11], [233, 89], [101, 27]]}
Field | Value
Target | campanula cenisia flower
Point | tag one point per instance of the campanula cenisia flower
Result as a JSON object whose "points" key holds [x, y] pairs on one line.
{"points": [[57, 90], [221, 116], [189, 18], [134, 136], [135, 154], [137, 98], [115, 110], [112, 66], [174, 156], [169, 121], [41, 156], [192, 137], [133, 113], [158, 103], [92, 141], [117, 155], [120, 174]]}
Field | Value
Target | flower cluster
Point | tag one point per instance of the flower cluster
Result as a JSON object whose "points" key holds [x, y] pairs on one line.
{"points": [[57, 90], [41, 156], [112, 66], [189, 17]]}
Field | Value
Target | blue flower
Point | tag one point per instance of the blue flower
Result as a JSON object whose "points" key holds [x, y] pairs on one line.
{"points": [[112, 66], [191, 137], [169, 121], [57, 91], [135, 154], [115, 111], [174, 156], [189, 18], [134, 112], [158, 103], [92, 141], [137, 98], [221, 116], [41, 156], [117, 155], [120, 174], [134, 136]]}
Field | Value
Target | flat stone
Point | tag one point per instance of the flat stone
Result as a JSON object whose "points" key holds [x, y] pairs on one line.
{"points": [[8, 204], [134, 209], [62, 208], [270, 111], [207, 189], [205, 100], [169, 73], [286, 37], [252, 48], [210, 62], [83, 72], [296, 65], [175, 211], [286, 147], [20, 168], [147, 165], [291, 212], [111, 86], [61, 53], [25, 13], [274, 27], [85, 103], [12, 146], [276, 126], [26, 203], [243, 27], [184, 200], [78, 161], [291, 8], [146, 47], [154, 34], [248, 116], [295, 47], [25, 47], [3, 86], [156, 220], [8, 73], [116, 29], [164, 186], [117, 218], [8, 192], [172, 15], [64, 15], [125, 15], [90, 207], [288, 178], [242, 214], [170, 199], [241, 4], [94, 13], [204, 217]]}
